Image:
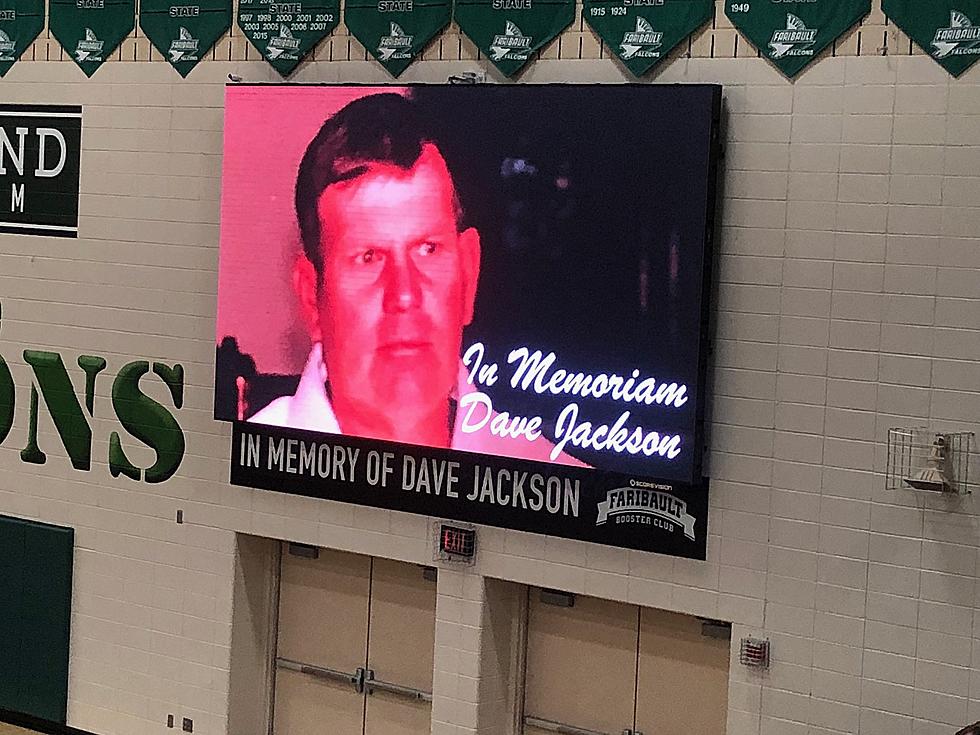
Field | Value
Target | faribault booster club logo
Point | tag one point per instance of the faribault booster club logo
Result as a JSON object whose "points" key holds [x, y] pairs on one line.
{"points": [[184, 47], [643, 42], [396, 45], [960, 39], [511, 44], [646, 503], [7, 47], [283, 46], [89, 48], [795, 40]]}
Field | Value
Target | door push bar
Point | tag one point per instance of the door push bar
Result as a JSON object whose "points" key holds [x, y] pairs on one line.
{"points": [[563, 729], [371, 685], [362, 680], [321, 672]]}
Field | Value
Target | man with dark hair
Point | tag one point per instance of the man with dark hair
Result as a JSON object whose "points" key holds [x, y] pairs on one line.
{"points": [[378, 129], [386, 284], [973, 729]]}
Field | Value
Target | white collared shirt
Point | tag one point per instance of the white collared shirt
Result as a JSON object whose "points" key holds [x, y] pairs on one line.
{"points": [[309, 408]]}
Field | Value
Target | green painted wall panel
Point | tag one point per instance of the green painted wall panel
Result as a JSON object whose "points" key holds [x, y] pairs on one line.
{"points": [[35, 617], [11, 605]]}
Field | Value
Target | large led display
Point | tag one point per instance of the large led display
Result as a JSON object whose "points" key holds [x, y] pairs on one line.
{"points": [[514, 272]]}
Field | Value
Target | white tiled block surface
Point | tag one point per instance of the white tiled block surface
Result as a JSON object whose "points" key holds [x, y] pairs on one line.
{"points": [[847, 303]]}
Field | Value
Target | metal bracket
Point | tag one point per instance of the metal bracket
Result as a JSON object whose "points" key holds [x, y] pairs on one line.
{"points": [[371, 685]]}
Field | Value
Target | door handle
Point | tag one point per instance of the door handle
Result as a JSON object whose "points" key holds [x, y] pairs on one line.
{"points": [[355, 679], [371, 685], [560, 727]]}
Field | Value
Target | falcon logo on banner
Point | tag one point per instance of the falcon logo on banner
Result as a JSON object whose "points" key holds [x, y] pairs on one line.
{"points": [[947, 30], [184, 47], [89, 48], [642, 42], [284, 46], [962, 37], [511, 44], [792, 36], [642, 32], [395, 45], [796, 40]]}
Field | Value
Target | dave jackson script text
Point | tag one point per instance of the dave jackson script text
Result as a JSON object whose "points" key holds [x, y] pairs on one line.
{"points": [[539, 373]]}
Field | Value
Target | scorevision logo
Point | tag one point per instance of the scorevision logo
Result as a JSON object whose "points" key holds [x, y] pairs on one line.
{"points": [[646, 503]]}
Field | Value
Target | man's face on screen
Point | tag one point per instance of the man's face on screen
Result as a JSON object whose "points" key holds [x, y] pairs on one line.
{"points": [[397, 289]]}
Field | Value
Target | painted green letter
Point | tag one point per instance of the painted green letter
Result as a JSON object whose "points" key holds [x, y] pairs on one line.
{"points": [[65, 410], [148, 421]]}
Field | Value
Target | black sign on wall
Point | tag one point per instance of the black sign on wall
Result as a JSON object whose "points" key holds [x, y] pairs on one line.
{"points": [[40, 148], [581, 503]]}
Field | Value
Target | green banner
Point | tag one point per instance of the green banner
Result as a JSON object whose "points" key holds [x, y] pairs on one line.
{"points": [[642, 32], [184, 32], [90, 30], [508, 32], [792, 34], [396, 31], [285, 32], [20, 22], [947, 30]]}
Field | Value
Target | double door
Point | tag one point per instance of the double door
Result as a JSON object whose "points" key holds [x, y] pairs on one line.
{"points": [[355, 646], [597, 667]]}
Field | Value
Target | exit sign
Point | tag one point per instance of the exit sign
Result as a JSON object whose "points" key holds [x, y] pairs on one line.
{"points": [[457, 541]]}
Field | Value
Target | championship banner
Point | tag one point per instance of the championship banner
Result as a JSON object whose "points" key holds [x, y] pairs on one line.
{"points": [[791, 35], [947, 30], [642, 32], [90, 30], [396, 31], [20, 23], [577, 503], [508, 32], [183, 34], [285, 32]]}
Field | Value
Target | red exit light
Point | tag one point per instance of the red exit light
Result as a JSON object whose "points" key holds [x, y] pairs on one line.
{"points": [[457, 541]]}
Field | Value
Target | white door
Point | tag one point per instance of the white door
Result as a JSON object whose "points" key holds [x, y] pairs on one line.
{"points": [[323, 617], [596, 667], [682, 677], [355, 646], [400, 648], [581, 666]]}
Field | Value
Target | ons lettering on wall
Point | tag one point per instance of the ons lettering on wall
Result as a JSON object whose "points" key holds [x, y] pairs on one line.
{"points": [[139, 415]]}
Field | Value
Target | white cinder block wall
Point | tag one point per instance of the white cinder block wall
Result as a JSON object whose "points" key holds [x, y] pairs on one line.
{"points": [[848, 301]]}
